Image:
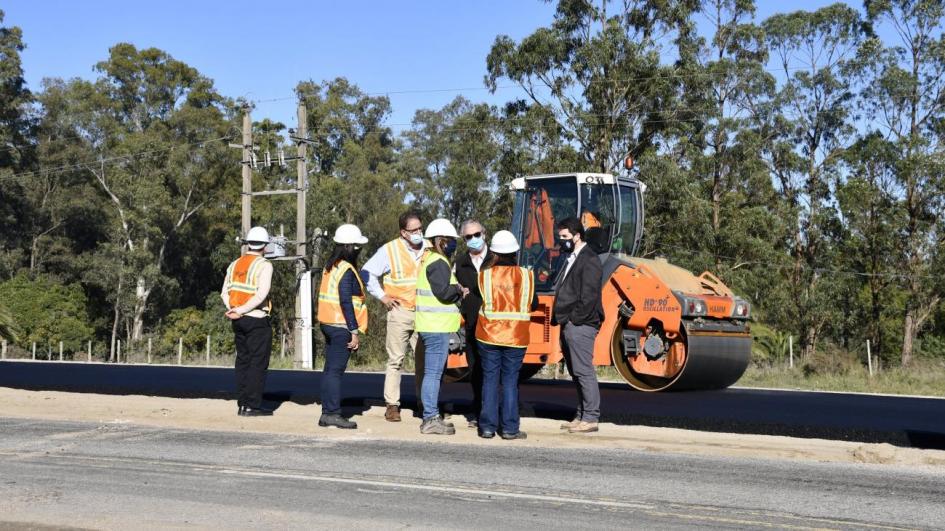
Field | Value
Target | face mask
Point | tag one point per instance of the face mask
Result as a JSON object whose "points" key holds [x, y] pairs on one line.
{"points": [[450, 248], [476, 244], [566, 245], [416, 239]]}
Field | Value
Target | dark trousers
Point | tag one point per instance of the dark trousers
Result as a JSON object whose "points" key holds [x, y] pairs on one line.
{"points": [[253, 348], [577, 345], [500, 367], [336, 361], [474, 360]]}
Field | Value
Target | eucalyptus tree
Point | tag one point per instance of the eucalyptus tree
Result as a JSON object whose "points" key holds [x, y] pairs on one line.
{"points": [[905, 95], [807, 126]]}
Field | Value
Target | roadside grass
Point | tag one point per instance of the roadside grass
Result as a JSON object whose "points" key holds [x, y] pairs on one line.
{"points": [[925, 377]]}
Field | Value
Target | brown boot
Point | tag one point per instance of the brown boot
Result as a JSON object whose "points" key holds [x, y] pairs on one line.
{"points": [[584, 427], [573, 424], [392, 414]]}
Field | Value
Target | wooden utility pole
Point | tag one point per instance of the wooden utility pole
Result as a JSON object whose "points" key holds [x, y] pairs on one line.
{"points": [[303, 302], [247, 202], [302, 325]]}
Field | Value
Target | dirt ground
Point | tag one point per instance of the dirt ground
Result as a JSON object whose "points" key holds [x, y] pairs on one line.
{"points": [[220, 415]]}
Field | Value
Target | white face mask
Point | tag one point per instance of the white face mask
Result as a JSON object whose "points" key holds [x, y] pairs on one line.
{"points": [[416, 239]]}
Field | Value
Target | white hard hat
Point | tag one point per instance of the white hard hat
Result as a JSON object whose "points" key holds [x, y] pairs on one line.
{"points": [[349, 233], [504, 242], [257, 237], [441, 227]]}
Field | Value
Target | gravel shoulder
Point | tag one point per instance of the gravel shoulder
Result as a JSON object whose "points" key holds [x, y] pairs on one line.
{"points": [[294, 419]]}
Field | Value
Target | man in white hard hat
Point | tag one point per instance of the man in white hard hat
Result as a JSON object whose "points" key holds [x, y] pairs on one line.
{"points": [[246, 296], [397, 262]]}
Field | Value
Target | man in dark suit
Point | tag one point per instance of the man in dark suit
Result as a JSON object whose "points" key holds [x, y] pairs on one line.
{"points": [[578, 311], [467, 266]]}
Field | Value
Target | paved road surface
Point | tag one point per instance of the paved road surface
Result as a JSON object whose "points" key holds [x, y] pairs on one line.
{"points": [[903, 421], [88, 475]]}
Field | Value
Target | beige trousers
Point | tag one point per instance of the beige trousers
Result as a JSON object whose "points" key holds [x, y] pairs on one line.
{"points": [[400, 335]]}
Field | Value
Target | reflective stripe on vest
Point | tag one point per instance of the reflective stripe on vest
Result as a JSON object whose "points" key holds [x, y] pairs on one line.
{"points": [[433, 315], [243, 280], [401, 282], [505, 317], [329, 303]]}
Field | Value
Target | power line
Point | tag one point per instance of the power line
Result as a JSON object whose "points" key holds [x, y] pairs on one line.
{"points": [[103, 160]]}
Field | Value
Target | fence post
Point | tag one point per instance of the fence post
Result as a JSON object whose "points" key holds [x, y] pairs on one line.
{"points": [[869, 357], [791, 349], [60, 351], [3, 350], [282, 352], [48, 352], [118, 352], [180, 350], [90, 351], [34, 351], [208, 349], [149, 351]]}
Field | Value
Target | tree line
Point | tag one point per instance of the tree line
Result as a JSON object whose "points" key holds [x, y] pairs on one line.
{"points": [[798, 157]]}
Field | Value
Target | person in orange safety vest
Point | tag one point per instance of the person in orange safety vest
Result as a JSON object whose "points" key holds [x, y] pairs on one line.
{"points": [[246, 296], [502, 334]]}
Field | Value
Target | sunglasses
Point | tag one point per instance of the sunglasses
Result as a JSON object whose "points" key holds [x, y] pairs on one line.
{"points": [[468, 237], [413, 231]]}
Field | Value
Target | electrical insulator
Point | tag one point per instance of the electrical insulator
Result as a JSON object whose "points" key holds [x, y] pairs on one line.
{"points": [[281, 158], [255, 162], [268, 159]]}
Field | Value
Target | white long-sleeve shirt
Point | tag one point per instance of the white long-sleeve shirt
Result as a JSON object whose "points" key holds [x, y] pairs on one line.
{"points": [[379, 265], [251, 307]]}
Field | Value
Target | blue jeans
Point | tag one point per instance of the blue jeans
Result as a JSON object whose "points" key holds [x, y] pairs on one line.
{"points": [[500, 365], [435, 350], [336, 361]]}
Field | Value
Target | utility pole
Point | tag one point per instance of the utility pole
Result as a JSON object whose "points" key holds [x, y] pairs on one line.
{"points": [[247, 197], [276, 248], [303, 297]]}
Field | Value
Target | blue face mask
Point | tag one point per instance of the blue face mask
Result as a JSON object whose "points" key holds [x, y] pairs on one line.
{"points": [[416, 239], [476, 244], [450, 248]]}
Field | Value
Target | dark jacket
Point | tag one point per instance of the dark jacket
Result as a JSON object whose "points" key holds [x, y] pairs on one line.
{"points": [[468, 277], [438, 273], [577, 296], [347, 288]]}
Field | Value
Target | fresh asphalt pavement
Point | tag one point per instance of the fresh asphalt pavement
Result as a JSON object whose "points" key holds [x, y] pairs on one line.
{"points": [[902, 421], [56, 474]]}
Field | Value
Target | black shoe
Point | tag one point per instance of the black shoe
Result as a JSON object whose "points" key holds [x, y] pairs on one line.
{"points": [[337, 421], [241, 410], [256, 412], [516, 435], [487, 434]]}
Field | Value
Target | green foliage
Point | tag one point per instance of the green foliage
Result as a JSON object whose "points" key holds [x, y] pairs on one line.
{"points": [[46, 311], [800, 158]]}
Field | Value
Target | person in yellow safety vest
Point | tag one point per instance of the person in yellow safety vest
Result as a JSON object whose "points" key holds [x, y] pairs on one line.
{"points": [[397, 262], [437, 316], [508, 298], [343, 316], [246, 296]]}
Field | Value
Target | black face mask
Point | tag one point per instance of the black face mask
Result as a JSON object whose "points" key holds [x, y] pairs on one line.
{"points": [[566, 245], [449, 248], [351, 255]]}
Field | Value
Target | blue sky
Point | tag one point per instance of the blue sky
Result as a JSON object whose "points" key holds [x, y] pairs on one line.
{"points": [[262, 49]]}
